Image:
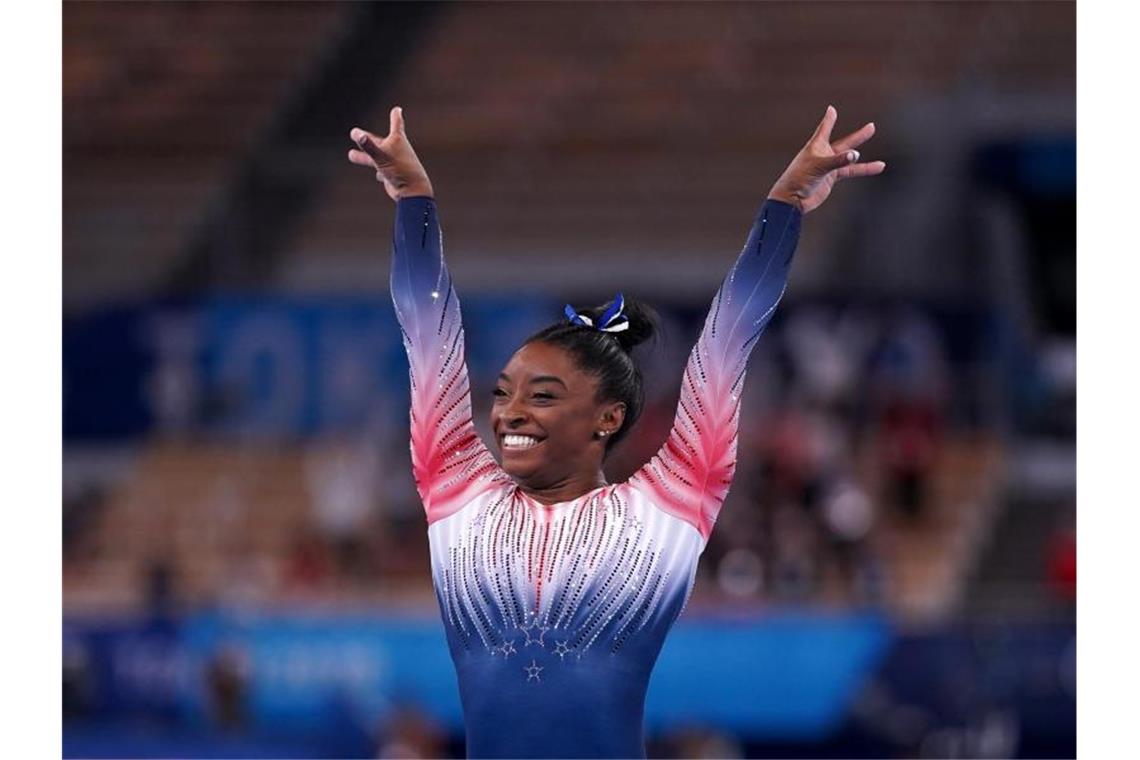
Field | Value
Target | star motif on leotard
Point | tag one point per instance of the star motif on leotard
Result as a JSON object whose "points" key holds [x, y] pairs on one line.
{"points": [[532, 671], [508, 648], [561, 649], [528, 629]]}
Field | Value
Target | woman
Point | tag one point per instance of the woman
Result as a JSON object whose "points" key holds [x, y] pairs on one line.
{"points": [[556, 587]]}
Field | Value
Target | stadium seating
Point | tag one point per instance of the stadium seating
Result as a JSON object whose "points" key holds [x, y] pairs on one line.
{"points": [[161, 101]]}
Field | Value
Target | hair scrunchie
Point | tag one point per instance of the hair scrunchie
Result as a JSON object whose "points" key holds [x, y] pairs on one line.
{"points": [[611, 321]]}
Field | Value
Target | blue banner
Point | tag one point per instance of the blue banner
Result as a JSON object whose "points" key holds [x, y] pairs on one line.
{"points": [[785, 676], [269, 368], [277, 368]]}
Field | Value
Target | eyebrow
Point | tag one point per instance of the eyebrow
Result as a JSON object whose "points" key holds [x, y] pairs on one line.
{"points": [[539, 379]]}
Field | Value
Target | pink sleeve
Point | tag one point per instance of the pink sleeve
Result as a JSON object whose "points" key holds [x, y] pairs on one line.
{"points": [[690, 475], [449, 462]]}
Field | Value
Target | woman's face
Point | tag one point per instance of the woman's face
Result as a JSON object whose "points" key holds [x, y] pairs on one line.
{"points": [[546, 417]]}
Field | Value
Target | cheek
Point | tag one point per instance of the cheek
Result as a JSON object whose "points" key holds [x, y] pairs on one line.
{"points": [[573, 427]]}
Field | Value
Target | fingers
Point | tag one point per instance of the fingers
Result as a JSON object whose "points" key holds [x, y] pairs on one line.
{"points": [[855, 139], [823, 130], [396, 121], [367, 143], [360, 158], [357, 135], [838, 161], [869, 169]]}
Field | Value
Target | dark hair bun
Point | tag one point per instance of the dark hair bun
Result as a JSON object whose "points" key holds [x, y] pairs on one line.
{"points": [[607, 355], [643, 322]]}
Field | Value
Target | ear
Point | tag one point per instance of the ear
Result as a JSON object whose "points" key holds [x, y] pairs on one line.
{"points": [[611, 417]]}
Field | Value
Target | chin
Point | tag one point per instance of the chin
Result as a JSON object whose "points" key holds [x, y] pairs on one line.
{"points": [[518, 468], [532, 472]]}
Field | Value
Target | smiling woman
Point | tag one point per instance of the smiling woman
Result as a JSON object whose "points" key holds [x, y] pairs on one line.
{"points": [[576, 391], [557, 588]]}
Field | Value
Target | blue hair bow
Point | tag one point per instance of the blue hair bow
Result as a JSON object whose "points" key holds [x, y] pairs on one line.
{"points": [[612, 320]]}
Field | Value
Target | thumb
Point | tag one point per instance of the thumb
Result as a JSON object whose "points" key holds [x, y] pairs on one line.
{"points": [[396, 121], [839, 160]]}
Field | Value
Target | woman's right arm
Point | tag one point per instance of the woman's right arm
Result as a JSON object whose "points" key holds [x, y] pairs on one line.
{"points": [[449, 461]]}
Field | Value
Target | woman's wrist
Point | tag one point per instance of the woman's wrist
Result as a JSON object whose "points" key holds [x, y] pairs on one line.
{"points": [[778, 193], [416, 189]]}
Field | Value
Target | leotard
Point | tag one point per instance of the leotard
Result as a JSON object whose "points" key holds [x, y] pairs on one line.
{"points": [[555, 614]]}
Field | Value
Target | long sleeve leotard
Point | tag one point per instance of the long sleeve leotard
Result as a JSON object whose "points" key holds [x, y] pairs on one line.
{"points": [[555, 614]]}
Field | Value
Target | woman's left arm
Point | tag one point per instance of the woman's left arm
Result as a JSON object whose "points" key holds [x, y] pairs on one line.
{"points": [[690, 475]]}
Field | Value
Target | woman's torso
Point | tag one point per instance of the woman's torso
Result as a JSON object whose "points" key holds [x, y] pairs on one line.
{"points": [[556, 614]]}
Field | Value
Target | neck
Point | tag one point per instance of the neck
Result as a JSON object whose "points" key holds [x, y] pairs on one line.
{"points": [[568, 489]]}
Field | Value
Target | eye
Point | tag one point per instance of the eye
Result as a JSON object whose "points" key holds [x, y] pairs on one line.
{"points": [[499, 393], [543, 395]]}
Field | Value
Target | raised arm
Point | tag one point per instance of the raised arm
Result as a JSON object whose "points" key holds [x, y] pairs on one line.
{"points": [[690, 475], [449, 461]]}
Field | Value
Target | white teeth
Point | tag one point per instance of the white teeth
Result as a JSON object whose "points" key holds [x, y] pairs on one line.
{"points": [[519, 441]]}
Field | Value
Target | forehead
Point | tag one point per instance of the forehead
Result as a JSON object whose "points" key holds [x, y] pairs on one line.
{"points": [[538, 359]]}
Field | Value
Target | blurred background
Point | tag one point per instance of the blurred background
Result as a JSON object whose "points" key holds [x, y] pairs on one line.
{"points": [[245, 560]]}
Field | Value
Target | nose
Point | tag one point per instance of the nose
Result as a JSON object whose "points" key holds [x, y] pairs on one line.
{"points": [[513, 413]]}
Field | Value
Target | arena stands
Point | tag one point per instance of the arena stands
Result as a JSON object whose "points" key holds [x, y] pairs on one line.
{"points": [[245, 564]]}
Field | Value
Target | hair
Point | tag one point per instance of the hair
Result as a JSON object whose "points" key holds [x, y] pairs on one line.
{"points": [[608, 356]]}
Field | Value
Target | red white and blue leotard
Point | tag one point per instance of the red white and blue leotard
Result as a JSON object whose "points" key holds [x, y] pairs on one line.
{"points": [[555, 614]]}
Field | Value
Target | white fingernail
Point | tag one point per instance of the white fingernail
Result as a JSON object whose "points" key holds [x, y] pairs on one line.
{"points": [[852, 155]]}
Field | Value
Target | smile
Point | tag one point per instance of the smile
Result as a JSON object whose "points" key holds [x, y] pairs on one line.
{"points": [[519, 442]]}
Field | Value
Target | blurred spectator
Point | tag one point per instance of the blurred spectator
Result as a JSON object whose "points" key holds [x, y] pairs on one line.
{"points": [[1061, 564], [82, 507], [701, 742], [160, 588], [794, 555], [227, 679], [910, 430], [849, 515], [911, 381], [409, 734], [784, 452], [827, 352], [342, 482], [308, 565], [78, 679], [740, 573]]}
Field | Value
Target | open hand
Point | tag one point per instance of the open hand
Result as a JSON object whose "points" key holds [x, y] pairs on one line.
{"points": [[392, 158], [808, 180]]}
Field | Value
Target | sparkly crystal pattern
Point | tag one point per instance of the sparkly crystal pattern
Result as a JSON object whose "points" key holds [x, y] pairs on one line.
{"points": [[690, 475], [560, 611], [512, 574], [449, 461]]}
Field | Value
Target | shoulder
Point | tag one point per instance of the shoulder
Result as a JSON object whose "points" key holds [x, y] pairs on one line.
{"points": [[468, 496], [657, 510]]}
